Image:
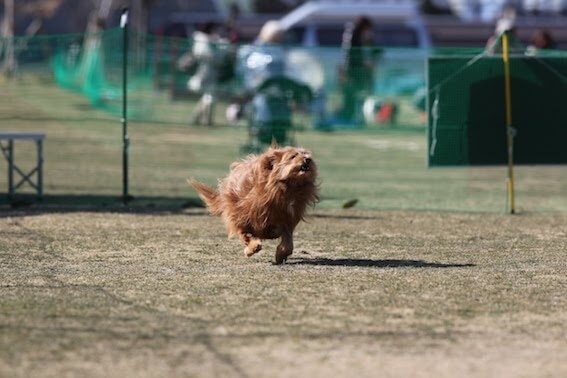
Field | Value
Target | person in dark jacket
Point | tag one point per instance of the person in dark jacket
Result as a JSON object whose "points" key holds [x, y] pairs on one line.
{"points": [[359, 66]]}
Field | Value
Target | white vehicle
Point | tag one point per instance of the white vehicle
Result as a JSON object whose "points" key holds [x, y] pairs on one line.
{"points": [[321, 23]]}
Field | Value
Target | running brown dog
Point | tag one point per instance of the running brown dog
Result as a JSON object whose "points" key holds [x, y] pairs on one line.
{"points": [[265, 197]]}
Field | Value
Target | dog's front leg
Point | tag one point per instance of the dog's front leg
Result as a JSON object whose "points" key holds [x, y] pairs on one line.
{"points": [[285, 248], [252, 244]]}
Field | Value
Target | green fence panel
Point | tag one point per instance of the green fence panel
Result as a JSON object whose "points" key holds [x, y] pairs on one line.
{"points": [[466, 103]]}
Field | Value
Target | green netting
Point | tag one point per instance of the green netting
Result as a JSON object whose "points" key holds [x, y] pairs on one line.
{"points": [[92, 65], [468, 112], [70, 88]]}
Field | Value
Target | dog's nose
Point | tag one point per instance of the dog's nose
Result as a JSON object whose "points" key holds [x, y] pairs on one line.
{"points": [[307, 160]]}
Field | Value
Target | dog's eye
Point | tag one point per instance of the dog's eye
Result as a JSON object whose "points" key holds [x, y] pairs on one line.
{"points": [[293, 156]]}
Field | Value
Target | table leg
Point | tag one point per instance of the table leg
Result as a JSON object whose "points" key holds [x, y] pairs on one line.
{"points": [[40, 168], [10, 159]]}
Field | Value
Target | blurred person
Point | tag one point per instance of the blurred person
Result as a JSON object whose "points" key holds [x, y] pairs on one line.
{"points": [[270, 115], [231, 25], [265, 57], [227, 71], [358, 74], [505, 24], [265, 75], [255, 63], [477, 10], [541, 40], [207, 52]]}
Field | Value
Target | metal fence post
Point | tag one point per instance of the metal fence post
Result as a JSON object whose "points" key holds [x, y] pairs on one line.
{"points": [[125, 139]]}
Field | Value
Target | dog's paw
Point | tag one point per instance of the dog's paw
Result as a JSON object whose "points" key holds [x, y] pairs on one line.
{"points": [[281, 257], [253, 247]]}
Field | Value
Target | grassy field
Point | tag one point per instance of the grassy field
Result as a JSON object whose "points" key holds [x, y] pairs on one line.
{"points": [[426, 276], [384, 168]]}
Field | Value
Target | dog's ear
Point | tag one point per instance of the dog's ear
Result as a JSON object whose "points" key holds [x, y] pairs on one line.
{"points": [[270, 158], [274, 144], [268, 161]]}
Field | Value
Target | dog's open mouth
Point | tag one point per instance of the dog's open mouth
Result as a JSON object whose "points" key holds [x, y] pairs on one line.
{"points": [[305, 167]]}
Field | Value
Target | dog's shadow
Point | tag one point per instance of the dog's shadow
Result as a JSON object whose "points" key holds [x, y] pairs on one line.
{"points": [[371, 263]]}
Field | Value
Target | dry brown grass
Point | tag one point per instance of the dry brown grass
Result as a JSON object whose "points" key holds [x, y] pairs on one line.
{"points": [[367, 293]]}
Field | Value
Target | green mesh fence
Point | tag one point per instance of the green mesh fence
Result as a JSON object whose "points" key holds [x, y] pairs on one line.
{"points": [[70, 88], [92, 65]]}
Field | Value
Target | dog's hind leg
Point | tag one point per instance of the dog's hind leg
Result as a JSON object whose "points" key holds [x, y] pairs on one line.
{"points": [[285, 248], [252, 244]]}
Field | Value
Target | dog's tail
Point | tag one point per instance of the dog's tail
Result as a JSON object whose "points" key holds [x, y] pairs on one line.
{"points": [[209, 195]]}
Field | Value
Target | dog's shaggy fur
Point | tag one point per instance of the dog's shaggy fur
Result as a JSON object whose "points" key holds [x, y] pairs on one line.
{"points": [[264, 197]]}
